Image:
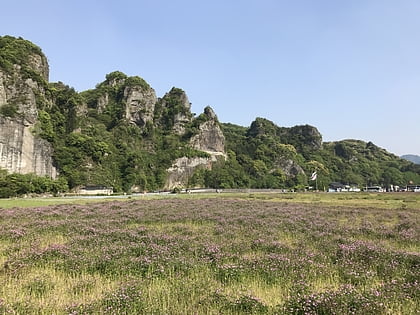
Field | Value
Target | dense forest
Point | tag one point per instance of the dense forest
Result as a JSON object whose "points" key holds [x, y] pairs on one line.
{"points": [[106, 136]]}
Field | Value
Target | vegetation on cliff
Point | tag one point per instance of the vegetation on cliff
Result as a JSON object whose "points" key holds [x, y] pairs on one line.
{"points": [[120, 134], [108, 149], [16, 51], [263, 146], [20, 52]]}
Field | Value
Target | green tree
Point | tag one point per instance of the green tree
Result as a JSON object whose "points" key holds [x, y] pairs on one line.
{"points": [[392, 176]]}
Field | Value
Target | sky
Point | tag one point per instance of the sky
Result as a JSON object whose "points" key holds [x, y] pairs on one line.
{"points": [[349, 68]]}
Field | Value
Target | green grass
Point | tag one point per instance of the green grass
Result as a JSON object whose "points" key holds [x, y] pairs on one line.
{"points": [[212, 254], [381, 200], [378, 200], [41, 202]]}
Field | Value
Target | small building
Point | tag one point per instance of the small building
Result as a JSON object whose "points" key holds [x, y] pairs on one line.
{"points": [[374, 189], [339, 187], [95, 190]]}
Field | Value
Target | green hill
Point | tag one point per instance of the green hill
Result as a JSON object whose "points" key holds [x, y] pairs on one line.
{"points": [[269, 156], [121, 134]]}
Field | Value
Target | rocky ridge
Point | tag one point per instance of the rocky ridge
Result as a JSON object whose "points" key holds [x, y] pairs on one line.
{"points": [[25, 94], [21, 151], [170, 114], [209, 139], [121, 134]]}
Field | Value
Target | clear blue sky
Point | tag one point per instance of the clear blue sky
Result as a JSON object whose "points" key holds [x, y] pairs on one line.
{"points": [[349, 67]]}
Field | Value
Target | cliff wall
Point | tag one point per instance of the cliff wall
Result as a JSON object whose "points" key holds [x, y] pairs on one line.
{"points": [[22, 152], [209, 139], [22, 85]]}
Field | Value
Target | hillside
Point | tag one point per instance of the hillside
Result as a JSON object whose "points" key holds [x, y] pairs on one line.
{"points": [[273, 156], [120, 134]]}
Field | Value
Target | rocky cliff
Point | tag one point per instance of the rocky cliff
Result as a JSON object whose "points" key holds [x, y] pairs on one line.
{"points": [[22, 87], [162, 130], [183, 168], [22, 152], [209, 139], [167, 119], [173, 111], [140, 104], [129, 98]]}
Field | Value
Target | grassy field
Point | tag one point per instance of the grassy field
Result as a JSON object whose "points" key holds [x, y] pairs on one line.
{"points": [[212, 254], [382, 200]]}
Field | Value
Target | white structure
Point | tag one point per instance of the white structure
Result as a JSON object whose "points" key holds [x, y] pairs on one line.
{"points": [[338, 187], [413, 188], [374, 189], [96, 190]]}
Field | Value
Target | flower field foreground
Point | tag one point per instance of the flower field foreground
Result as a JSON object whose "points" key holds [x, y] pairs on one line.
{"points": [[209, 256]]}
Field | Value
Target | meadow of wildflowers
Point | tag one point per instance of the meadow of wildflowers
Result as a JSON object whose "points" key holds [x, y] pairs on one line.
{"points": [[209, 256]]}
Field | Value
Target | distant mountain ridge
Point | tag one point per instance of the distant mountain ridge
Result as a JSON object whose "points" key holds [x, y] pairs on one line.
{"points": [[412, 158]]}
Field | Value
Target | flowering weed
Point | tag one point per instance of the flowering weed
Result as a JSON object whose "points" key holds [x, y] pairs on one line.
{"points": [[210, 256]]}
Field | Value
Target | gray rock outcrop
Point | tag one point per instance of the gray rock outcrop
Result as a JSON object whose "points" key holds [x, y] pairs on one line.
{"points": [[209, 139], [140, 104], [20, 150], [175, 110], [183, 168], [289, 167], [136, 97]]}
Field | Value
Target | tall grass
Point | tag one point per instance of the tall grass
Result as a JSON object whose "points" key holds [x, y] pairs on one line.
{"points": [[256, 254]]}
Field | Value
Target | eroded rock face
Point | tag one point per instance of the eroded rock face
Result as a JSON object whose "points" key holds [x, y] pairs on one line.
{"points": [[140, 104], [289, 167], [183, 168], [175, 110], [39, 64], [137, 101], [20, 150], [19, 93], [184, 116], [102, 102], [3, 96], [210, 139]]}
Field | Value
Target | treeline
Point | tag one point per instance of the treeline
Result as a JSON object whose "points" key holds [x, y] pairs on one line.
{"points": [[14, 185]]}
